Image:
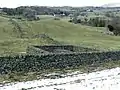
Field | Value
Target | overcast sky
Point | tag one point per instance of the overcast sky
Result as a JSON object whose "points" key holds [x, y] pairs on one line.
{"points": [[15, 3]]}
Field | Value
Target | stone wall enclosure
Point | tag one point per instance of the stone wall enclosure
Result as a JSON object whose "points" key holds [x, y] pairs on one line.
{"points": [[40, 59]]}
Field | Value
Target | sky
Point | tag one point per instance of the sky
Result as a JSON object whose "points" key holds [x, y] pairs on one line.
{"points": [[74, 3]]}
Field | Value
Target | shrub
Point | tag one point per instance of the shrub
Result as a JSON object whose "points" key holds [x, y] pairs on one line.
{"points": [[23, 89], [56, 18], [70, 20], [114, 26], [97, 22], [75, 20]]}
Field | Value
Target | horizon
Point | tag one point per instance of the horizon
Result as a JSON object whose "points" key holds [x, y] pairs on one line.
{"points": [[54, 3]]}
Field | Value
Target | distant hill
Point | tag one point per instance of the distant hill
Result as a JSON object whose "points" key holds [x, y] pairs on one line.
{"points": [[111, 5]]}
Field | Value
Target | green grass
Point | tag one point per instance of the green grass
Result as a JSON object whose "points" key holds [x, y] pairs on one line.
{"points": [[19, 45], [59, 30]]}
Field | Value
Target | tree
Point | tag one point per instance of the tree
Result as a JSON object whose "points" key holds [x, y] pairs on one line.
{"points": [[114, 26], [97, 22], [30, 14], [107, 14], [74, 20]]}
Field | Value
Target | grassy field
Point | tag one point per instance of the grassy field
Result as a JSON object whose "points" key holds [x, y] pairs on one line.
{"points": [[59, 30], [16, 35]]}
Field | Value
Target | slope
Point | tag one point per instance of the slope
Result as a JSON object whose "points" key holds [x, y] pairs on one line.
{"points": [[16, 35]]}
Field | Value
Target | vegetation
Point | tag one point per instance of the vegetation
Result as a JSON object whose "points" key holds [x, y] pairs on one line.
{"points": [[95, 22], [32, 25], [16, 35], [114, 25]]}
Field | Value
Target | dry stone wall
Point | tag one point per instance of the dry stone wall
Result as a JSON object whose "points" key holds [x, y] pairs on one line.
{"points": [[31, 63], [47, 49]]}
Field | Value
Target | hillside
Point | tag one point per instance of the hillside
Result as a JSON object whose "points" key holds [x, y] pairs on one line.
{"points": [[16, 35]]}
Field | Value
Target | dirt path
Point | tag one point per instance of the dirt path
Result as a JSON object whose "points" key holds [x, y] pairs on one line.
{"points": [[101, 80]]}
